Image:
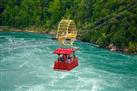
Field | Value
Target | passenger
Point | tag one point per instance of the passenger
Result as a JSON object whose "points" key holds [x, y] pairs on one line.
{"points": [[58, 57], [62, 59], [68, 59], [65, 57]]}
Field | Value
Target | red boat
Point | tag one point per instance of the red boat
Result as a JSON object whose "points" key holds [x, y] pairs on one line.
{"points": [[66, 59]]}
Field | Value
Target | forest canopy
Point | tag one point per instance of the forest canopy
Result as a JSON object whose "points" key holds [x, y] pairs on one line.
{"points": [[103, 22]]}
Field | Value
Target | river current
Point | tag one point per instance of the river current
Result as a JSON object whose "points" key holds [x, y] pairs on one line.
{"points": [[26, 64]]}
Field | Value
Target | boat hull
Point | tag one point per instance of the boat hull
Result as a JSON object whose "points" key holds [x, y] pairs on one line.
{"points": [[58, 65]]}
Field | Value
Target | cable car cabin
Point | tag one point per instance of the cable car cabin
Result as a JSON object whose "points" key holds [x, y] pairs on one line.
{"points": [[66, 59]]}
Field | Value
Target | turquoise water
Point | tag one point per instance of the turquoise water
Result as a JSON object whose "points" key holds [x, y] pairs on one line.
{"points": [[26, 64]]}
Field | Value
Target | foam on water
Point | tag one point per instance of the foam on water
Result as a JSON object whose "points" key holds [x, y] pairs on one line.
{"points": [[26, 64]]}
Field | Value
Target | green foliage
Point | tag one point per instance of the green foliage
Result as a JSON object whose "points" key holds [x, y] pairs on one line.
{"points": [[119, 38], [132, 47], [54, 11]]}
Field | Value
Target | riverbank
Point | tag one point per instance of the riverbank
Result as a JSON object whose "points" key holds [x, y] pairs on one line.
{"points": [[30, 29], [110, 47], [113, 48]]}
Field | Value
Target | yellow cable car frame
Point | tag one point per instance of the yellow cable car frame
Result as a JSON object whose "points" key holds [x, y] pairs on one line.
{"points": [[66, 32]]}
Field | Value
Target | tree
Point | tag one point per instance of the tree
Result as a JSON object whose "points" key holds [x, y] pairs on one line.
{"points": [[55, 12]]}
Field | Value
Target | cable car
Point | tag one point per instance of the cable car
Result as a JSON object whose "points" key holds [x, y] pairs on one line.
{"points": [[66, 59]]}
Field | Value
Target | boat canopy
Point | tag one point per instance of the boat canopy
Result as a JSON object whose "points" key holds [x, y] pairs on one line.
{"points": [[67, 51]]}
